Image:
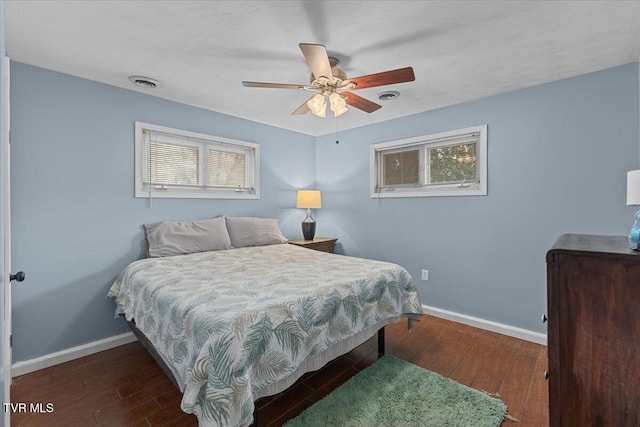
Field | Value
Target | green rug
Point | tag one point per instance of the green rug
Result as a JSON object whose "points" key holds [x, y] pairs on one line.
{"points": [[392, 392]]}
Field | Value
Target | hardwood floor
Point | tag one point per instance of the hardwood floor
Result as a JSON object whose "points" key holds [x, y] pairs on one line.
{"points": [[124, 386]]}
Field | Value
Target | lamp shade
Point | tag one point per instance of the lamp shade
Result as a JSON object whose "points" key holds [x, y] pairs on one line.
{"points": [[633, 187], [310, 199]]}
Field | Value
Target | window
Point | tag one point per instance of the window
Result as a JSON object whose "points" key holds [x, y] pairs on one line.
{"points": [[182, 164], [444, 164]]}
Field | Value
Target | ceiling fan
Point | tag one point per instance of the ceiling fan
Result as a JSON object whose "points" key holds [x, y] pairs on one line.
{"points": [[330, 81]]}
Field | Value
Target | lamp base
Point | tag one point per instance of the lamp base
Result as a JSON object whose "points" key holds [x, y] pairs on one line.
{"points": [[634, 234], [308, 230], [308, 226]]}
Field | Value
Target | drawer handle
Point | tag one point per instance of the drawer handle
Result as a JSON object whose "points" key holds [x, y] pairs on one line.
{"points": [[544, 318]]}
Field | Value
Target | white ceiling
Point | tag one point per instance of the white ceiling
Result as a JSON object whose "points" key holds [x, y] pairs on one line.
{"points": [[201, 50]]}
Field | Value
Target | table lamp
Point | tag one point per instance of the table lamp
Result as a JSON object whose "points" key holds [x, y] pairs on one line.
{"points": [[633, 198], [309, 199]]}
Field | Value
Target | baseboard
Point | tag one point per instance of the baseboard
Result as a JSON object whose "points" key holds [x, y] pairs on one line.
{"points": [[512, 331], [27, 366]]}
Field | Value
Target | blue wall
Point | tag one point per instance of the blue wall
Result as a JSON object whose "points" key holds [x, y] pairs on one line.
{"points": [[76, 224], [558, 156], [557, 161]]}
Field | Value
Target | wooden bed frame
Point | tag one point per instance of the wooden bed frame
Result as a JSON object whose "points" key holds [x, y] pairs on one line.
{"points": [[156, 356]]}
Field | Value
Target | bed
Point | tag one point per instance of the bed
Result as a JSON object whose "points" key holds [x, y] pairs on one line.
{"points": [[238, 324]]}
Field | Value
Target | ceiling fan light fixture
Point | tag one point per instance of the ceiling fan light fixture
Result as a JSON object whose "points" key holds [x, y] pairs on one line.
{"points": [[338, 111], [337, 104], [330, 81], [317, 105]]}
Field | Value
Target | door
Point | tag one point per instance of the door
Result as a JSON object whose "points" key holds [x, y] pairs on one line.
{"points": [[5, 239]]}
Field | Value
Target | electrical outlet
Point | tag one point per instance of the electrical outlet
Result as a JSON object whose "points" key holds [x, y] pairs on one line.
{"points": [[425, 275]]}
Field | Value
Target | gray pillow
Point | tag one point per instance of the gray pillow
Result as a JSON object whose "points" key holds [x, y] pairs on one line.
{"points": [[246, 231], [178, 238]]}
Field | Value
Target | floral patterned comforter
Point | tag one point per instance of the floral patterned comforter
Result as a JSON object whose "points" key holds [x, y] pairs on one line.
{"points": [[231, 322]]}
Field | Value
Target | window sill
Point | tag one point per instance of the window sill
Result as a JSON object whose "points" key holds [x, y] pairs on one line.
{"points": [[431, 193], [194, 195]]}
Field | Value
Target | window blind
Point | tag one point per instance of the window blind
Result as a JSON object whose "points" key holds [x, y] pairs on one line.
{"points": [[175, 161], [225, 169], [452, 140], [401, 168], [171, 164], [184, 164], [448, 163]]}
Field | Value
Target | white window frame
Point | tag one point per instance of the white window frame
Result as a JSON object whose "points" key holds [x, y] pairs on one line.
{"points": [[423, 143], [203, 142]]}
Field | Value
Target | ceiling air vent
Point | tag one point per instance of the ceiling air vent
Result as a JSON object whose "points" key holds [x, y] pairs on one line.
{"points": [[144, 82], [389, 95]]}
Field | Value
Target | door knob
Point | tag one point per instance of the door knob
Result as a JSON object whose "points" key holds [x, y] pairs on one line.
{"points": [[18, 277], [544, 318]]}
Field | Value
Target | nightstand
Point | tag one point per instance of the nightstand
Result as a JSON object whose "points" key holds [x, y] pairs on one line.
{"points": [[323, 244]]}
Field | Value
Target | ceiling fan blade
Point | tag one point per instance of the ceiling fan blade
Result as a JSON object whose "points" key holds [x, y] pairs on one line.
{"points": [[360, 102], [400, 75], [303, 109], [317, 59], [274, 85]]}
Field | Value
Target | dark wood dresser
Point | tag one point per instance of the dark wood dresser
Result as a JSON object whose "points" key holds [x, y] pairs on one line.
{"points": [[593, 295]]}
